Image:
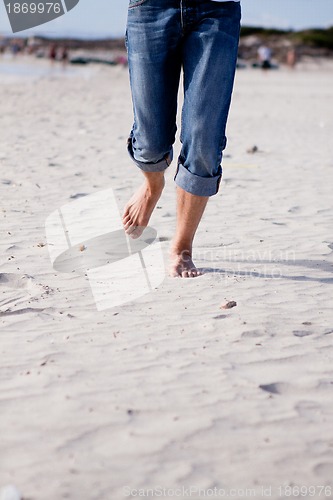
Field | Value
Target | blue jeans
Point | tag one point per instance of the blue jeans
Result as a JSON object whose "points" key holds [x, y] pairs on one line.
{"points": [[201, 37]]}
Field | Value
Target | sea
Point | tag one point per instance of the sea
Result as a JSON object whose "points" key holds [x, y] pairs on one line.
{"points": [[17, 68]]}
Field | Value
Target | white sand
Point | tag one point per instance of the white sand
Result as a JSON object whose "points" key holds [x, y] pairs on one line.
{"points": [[170, 390]]}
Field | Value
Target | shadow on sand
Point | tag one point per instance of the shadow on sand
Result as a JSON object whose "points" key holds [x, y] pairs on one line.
{"points": [[320, 265]]}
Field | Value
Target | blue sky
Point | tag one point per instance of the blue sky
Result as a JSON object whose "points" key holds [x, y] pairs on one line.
{"points": [[99, 18]]}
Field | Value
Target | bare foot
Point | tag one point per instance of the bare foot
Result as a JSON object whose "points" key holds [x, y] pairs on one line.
{"points": [[138, 210], [181, 264]]}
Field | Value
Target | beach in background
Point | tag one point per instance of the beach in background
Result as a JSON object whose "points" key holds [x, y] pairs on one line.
{"points": [[172, 390]]}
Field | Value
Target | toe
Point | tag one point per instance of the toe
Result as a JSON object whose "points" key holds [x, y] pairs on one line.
{"points": [[134, 234], [129, 224], [137, 232], [130, 228]]}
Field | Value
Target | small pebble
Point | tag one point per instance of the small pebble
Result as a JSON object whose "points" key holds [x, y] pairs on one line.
{"points": [[229, 305], [253, 150]]}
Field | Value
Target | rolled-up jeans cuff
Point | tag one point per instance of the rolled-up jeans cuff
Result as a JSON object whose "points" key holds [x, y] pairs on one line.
{"points": [[158, 166], [194, 184]]}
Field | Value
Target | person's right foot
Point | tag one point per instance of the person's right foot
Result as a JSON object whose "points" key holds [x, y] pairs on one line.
{"points": [[138, 210], [181, 264]]}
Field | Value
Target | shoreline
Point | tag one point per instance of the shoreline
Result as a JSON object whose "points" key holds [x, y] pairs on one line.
{"points": [[15, 68]]}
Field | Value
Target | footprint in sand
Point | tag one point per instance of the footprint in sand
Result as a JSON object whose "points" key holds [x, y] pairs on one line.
{"points": [[301, 333], [18, 289], [324, 469], [18, 281], [308, 409], [252, 334]]}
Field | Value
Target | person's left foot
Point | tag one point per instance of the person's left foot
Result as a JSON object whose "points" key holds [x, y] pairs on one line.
{"points": [[181, 264]]}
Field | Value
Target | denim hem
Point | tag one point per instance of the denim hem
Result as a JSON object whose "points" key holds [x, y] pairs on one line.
{"points": [[194, 184], [158, 166]]}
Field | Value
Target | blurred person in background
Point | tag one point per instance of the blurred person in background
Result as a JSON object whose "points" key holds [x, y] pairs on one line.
{"points": [[53, 53], [265, 57]]}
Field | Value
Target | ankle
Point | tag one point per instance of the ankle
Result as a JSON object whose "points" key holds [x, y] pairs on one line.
{"points": [[181, 248], [155, 180]]}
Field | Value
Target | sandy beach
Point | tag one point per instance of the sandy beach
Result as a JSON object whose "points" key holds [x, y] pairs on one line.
{"points": [[169, 390]]}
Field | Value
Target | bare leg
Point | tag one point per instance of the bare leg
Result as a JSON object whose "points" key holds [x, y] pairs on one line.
{"points": [[190, 209], [138, 210]]}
